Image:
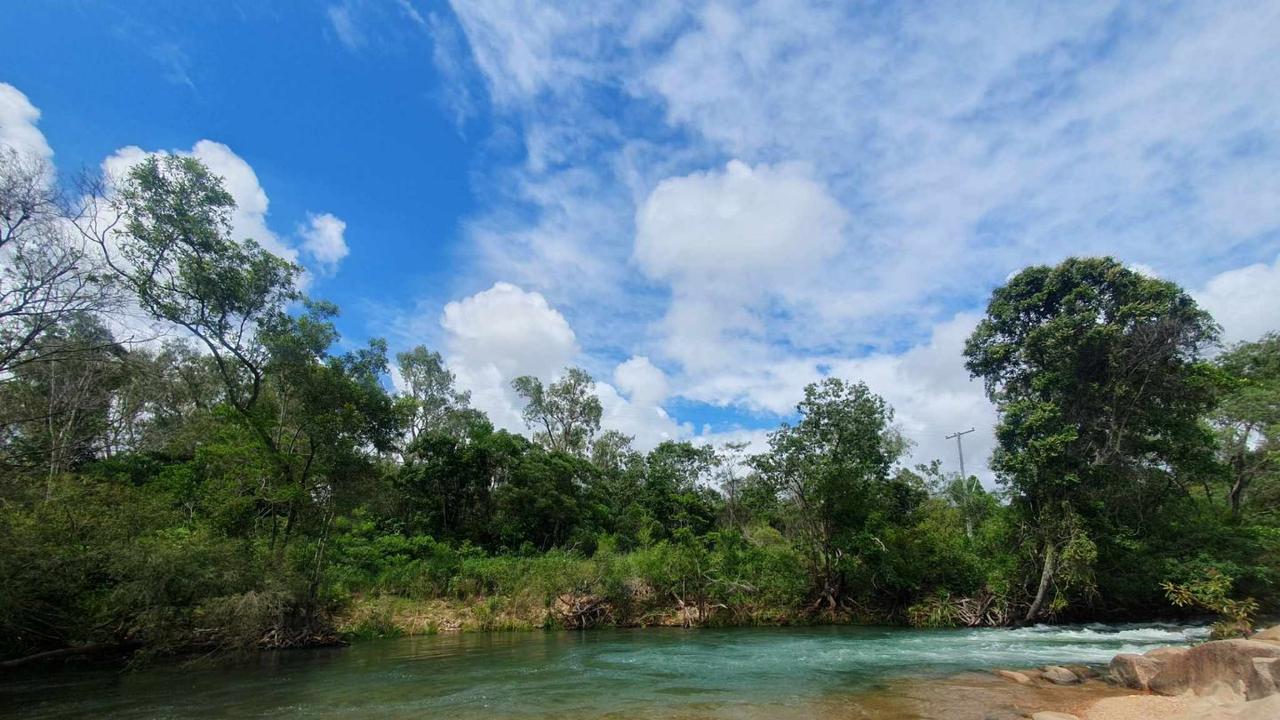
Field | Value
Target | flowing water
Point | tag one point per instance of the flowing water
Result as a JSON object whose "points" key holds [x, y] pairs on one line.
{"points": [[669, 673]]}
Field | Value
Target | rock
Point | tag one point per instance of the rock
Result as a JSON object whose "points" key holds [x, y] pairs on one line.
{"points": [[1050, 715], [1134, 671], [1059, 675], [1164, 653], [1265, 679], [1014, 675], [1270, 635], [1247, 667], [1083, 672], [1003, 715]]}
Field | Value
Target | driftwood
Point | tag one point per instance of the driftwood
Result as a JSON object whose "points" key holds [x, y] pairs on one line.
{"points": [[90, 649], [578, 612]]}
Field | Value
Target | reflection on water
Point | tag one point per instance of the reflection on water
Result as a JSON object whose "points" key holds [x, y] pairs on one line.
{"points": [[776, 672]]}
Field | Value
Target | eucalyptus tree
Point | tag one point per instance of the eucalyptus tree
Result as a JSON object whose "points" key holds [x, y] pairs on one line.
{"points": [[832, 467], [565, 415], [165, 234], [1248, 416], [434, 402], [1096, 373]]}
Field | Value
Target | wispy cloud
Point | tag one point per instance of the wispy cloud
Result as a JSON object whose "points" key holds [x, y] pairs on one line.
{"points": [[955, 145]]}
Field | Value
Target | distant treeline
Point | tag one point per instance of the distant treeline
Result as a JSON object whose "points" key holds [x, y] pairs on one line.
{"points": [[248, 485]]}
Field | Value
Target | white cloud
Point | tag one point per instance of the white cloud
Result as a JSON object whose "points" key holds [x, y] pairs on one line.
{"points": [[18, 119], [249, 219], [499, 334], [343, 22], [765, 224], [732, 245], [516, 331], [323, 236], [931, 152], [1245, 301], [323, 240], [933, 396], [639, 417], [641, 381]]}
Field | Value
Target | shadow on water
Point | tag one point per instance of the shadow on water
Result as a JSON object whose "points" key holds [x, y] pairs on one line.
{"points": [[773, 672]]}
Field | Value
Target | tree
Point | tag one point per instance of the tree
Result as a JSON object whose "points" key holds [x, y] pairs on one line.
{"points": [[435, 403], [45, 275], [56, 407], [563, 416], [676, 491], [1095, 372], [833, 467], [1248, 415], [165, 233]]}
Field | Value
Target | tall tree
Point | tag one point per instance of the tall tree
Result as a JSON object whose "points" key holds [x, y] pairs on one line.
{"points": [[1248, 415], [435, 403], [833, 466], [1095, 371], [165, 232], [565, 415]]}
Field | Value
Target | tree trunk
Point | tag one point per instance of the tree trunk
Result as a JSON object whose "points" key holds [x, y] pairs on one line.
{"points": [[1046, 579]]}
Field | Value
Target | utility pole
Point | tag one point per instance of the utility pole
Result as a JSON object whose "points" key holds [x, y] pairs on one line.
{"points": [[966, 503], [959, 436]]}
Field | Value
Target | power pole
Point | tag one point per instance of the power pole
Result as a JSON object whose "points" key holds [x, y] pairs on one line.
{"points": [[959, 436], [965, 504]]}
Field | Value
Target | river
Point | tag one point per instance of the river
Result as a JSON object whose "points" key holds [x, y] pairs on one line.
{"points": [[668, 673]]}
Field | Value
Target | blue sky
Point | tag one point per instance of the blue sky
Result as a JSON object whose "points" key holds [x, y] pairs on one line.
{"points": [[706, 204]]}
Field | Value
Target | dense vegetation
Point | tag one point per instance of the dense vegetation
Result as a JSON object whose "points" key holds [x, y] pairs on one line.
{"points": [[245, 483]]}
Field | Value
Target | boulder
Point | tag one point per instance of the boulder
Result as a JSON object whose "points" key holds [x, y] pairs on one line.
{"points": [[1050, 715], [1270, 635], [1082, 671], [1247, 667], [1059, 675], [1014, 675], [1134, 671]]}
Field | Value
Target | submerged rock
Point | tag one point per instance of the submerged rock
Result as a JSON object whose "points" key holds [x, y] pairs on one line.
{"points": [[1059, 675], [1014, 675]]}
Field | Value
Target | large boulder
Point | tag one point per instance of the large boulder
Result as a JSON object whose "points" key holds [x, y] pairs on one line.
{"points": [[1270, 635], [1134, 671], [1247, 667]]}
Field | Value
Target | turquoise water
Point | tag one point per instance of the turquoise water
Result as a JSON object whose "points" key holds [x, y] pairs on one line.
{"points": [[596, 674]]}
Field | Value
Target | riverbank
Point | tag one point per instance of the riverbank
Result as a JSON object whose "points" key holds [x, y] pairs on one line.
{"points": [[1223, 679]]}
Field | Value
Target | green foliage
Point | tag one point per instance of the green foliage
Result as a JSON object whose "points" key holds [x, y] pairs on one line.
{"points": [[243, 491], [1212, 592]]}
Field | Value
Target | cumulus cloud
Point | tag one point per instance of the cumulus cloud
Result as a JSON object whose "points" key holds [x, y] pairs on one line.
{"points": [[516, 331], [323, 239], [323, 236], [249, 219], [499, 334], [641, 381], [18, 120], [754, 224], [729, 244], [1245, 301]]}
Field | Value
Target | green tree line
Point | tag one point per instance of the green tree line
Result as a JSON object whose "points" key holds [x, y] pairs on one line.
{"points": [[246, 483]]}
